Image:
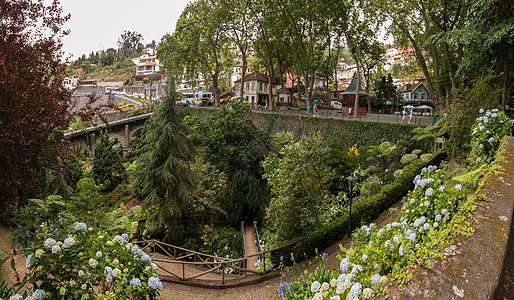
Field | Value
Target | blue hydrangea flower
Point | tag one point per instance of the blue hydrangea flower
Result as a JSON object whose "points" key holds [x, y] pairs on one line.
{"points": [[49, 243], [481, 128], [441, 188], [481, 111], [488, 113], [426, 226], [494, 115], [108, 278], [364, 257], [39, 295], [490, 140], [375, 279], [418, 177], [436, 225], [412, 236], [429, 192], [444, 211], [344, 265], [480, 146], [478, 160], [426, 204], [81, 226], [412, 200], [486, 120], [135, 283], [400, 250], [16, 297], [494, 110], [154, 283], [487, 132], [27, 262], [438, 218], [124, 236], [355, 291], [458, 187]]}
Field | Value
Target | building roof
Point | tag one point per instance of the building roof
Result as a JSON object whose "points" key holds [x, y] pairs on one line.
{"points": [[254, 76], [147, 64], [352, 87], [414, 86], [148, 57]]}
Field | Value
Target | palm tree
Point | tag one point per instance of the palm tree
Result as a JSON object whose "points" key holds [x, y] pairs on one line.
{"points": [[382, 153]]}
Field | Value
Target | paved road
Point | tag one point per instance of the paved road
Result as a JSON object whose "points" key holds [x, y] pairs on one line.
{"points": [[335, 114]]}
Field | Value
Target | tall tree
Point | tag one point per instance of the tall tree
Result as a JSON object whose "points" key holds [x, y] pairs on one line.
{"points": [[164, 177], [199, 46], [33, 99], [130, 43]]}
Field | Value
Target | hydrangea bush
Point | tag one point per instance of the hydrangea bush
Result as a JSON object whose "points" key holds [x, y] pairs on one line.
{"points": [[487, 134], [379, 255], [85, 263]]}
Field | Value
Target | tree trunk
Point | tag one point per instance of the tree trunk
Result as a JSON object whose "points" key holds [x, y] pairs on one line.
{"points": [[356, 105], [243, 74], [438, 93], [505, 83]]}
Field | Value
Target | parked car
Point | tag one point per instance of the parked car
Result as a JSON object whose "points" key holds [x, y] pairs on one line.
{"points": [[336, 105], [205, 102]]}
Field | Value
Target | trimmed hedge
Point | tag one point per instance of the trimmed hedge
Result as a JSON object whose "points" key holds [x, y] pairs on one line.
{"points": [[348, 132], [363, 212]]}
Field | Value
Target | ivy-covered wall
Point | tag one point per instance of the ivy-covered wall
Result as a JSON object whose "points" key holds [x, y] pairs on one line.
{"points": [[349, 132]]}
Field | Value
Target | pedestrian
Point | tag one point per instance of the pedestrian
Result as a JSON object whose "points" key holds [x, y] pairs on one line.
{"points": [[403, 115], [349, 112], [316, 109], [410, 115]]}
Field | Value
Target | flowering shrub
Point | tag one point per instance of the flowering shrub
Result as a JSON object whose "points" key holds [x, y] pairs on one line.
{"points": [[84, 263], [487, 133], [388, 251]]}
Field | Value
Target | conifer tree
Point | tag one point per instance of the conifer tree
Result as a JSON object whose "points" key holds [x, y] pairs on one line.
{"points": [[164, 177], [108, 168]]}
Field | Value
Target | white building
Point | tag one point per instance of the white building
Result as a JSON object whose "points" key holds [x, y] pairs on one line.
{"points": [[146, 65]]}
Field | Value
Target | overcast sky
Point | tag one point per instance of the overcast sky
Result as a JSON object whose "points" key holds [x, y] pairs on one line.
{"points": [[97, 24]]}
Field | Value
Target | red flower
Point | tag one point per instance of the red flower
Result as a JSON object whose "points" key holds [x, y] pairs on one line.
{"points": [[14, 251]]}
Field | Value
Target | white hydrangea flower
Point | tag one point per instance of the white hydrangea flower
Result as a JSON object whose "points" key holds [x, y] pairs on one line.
{"points": [[56, 248], [68, 242], [98, 254], [315, 286], [93, 263], [367, 293], [324, 287]]}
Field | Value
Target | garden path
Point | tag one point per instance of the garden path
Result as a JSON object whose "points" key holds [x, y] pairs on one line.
{"points": [[250, 246]]}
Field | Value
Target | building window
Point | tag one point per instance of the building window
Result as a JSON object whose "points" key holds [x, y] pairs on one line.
{"points": [[260, 86], [265, 87], [248, 86], [415, 96], [423, 97], [253, 86]]}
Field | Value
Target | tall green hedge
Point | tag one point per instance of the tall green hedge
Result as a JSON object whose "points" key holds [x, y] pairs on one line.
{"points": [[349, 132], [363, 212]]}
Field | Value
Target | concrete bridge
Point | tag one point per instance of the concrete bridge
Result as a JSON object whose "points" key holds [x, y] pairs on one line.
{"points": [[124, 130]]}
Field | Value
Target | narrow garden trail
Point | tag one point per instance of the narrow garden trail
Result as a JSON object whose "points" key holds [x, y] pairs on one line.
{"points": [[250, 246]]}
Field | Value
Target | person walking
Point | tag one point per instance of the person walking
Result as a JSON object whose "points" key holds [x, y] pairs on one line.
{"points": [[403, 115], [316, 110], [349, 112], [411, 114]]}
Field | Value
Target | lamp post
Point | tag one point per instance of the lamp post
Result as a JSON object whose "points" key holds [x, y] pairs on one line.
{"points": [[350, 179]]}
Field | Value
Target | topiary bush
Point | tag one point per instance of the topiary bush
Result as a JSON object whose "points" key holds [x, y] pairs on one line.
{"points": [[426, 157], [408, 158], [417, 151], [397, 173]]}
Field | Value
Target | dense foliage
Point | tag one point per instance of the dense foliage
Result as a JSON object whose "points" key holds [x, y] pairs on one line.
{"points": [[108, 170]]}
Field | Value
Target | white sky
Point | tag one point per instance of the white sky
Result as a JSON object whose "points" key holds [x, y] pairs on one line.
{"points": [[97, 24]]}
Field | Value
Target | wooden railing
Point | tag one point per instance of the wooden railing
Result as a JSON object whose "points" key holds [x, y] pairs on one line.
{"points": [[199, 263]]}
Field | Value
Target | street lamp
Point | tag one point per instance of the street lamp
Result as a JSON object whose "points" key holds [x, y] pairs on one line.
{"points": [[350, 179]]}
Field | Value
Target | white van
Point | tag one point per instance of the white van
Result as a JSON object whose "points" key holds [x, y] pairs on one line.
{"points": [[336, 105]]}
